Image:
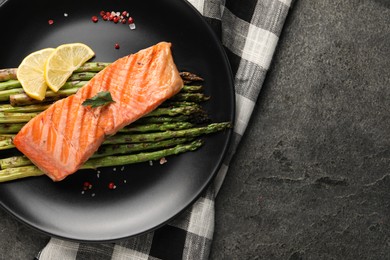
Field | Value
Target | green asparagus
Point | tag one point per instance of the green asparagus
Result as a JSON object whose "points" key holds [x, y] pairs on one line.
{"points": [[104, 150], [11, 128], [190, 88], [17, 96], [85, 76], [30, 170], [10, 84], [16, 117], [10, 74], [7, 74], [188, 76], [158, 136], [134, 128], [5, 94], [193, 97], [8, 78], [23, 99], [92, 67], [163, 119], [12, 87], [173, 111], [6, 144], [7, 108], [125, 138], [19, 173], [171, 103], [141, 157]]}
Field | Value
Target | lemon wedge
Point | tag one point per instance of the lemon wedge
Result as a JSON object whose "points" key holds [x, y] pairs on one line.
{"points": [[30, 73], [64, 60]]}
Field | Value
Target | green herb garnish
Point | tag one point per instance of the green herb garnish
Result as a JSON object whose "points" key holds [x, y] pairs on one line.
{"points": [[101, 99]]}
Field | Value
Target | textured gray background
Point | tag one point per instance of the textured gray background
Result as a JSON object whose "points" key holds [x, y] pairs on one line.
{"points": [[311, 177]]}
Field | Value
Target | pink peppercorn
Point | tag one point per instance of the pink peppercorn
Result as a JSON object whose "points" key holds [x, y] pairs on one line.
{"points": [[87, 185], [95, 19], [111, 186]]}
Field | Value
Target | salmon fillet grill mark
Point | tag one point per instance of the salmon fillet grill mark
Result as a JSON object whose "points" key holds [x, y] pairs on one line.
{"points": [[62, 138]]}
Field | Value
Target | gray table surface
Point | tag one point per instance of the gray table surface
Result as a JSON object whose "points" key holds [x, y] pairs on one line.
{"points": [[311, 178]]}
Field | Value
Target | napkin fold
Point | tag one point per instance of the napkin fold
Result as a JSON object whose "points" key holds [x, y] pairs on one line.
{"points": [[249, 30]]}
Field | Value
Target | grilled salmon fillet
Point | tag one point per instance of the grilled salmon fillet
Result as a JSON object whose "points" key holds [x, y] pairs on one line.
{"points": [[63, 137]]}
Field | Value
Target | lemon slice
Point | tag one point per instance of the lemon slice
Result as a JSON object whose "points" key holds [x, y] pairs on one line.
{"points": [[63, 61], [30, 73]]}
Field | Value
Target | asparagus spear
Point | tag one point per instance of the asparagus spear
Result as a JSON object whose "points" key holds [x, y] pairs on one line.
{"points": [[5, 94], [25, 117], [156, 127], [6, 136], [190, 88], [7, 108], [98, 66], [188, 76], [14, 161], [7, 74], [73, 84], [6, 143], [30, 171], [158, 136], [10, 84], [76, 80], [8, 79], [8, 94], [19, 173], [92, 67], [193, 97], [23, 99], [141, 157], [104, 150], [10, 74], [197, 118], [173, 111], [85, 76], [142, 123], [15, 84], [19, 98], [81, 76], [16, 117], [11, 128], [162, 119], [171, 103]]}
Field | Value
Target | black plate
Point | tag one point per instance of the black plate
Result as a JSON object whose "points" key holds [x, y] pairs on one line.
{"points": [[152, 195]]}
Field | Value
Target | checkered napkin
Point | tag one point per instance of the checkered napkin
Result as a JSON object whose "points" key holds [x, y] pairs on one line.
{"points": [[249, 31]]}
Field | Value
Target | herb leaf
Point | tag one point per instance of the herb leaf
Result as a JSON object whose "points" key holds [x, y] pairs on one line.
{"points": [[100, 99]]}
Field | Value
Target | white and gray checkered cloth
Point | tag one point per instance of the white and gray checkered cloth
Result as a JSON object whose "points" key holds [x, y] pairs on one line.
{"points": [[249, 31]]}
